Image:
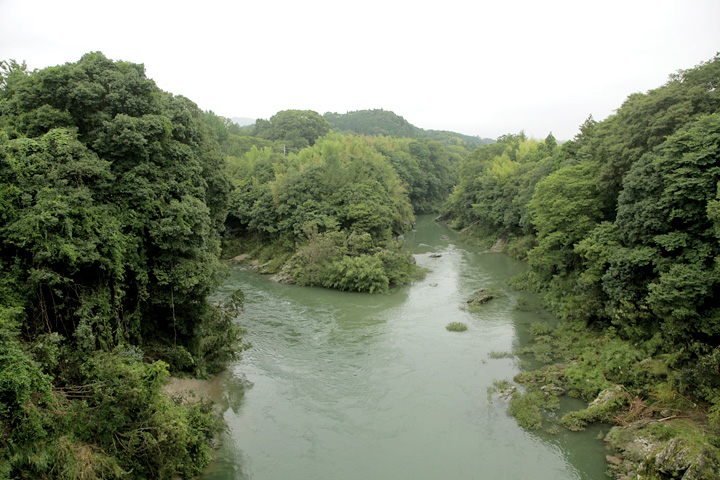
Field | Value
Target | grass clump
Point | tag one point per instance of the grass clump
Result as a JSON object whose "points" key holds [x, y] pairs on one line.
{"points": [[527, 407], [497, 354], [456, 327]]}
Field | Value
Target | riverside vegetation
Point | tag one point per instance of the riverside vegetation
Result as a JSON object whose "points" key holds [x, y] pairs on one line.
{"points": [[118, 200], [113, 197], [116, 197], [620, 228]]}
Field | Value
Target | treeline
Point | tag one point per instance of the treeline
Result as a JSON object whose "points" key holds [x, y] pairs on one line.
{"points": [[113, 197], [383, 122], [620, 227]]}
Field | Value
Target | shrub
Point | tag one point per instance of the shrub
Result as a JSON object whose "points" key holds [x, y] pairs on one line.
{"points": [[363, 274]]}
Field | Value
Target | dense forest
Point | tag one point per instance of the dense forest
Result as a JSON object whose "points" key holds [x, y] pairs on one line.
{"points": [[331, 214], [325, 208], [383, 122], [119, 200], [620, 228], [114, 197]]}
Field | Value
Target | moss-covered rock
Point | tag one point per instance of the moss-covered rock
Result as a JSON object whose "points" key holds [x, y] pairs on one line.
{"points": [[653, 449]]}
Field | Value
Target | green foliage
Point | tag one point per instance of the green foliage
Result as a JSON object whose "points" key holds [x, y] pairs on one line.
{"points": [[527, 407], [113, 195], [129, 417], [498, 355], [620, 225], [602, 409], [113, 423], [297, 128], [351, 262], [496, 184], [338, 205], [456, 327], [364, 273], [383, 122], [116, 219]]}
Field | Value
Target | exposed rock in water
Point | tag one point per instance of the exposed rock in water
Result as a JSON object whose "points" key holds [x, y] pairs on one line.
{"points": [[502, 393], [481, 297], [602, 409], [674, 457], [435, 255], [283, 276]]}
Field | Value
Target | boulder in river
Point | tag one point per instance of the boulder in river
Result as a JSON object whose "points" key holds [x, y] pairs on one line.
{"points": [[480, 297]]}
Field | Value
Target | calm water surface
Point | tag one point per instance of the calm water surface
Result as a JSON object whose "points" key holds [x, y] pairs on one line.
{"points": [[345, 386]]}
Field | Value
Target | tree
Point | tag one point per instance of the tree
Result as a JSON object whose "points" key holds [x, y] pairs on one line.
{"points": [[298, 128]]}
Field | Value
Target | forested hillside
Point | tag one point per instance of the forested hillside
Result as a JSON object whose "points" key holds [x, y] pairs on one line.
{"points": [[621, 231], [383, 122], [113, 197], [623, 218]]}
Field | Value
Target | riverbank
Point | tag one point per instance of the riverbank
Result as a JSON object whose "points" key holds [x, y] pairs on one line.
{"points": [[657, 431], [355, 386], [193, 390], [659, 427]]}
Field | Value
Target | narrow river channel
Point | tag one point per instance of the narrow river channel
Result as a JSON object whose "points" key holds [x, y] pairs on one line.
{"points": [[345, 386]]}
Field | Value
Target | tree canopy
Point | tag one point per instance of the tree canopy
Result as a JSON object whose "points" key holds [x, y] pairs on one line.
{"points": [[114, 195], [619, 225]]}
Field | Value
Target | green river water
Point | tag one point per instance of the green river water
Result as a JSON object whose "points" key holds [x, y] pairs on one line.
{"points": [[346, 386]]}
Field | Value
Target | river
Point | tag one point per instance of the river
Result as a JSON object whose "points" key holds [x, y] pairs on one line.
{"points": [[347, 386]]}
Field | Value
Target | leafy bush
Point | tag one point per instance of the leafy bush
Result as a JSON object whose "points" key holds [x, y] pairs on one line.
{"points": [[363, 274]]}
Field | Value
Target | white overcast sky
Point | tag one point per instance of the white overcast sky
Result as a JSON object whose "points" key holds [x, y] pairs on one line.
{"points": [[470, 66]]}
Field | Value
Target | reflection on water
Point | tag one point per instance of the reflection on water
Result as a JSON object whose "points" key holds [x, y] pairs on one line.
{"points": [[356, 386]]}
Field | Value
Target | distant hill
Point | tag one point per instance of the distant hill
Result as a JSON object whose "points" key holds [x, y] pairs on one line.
{"points": [[243, 121], [385, 122]]}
